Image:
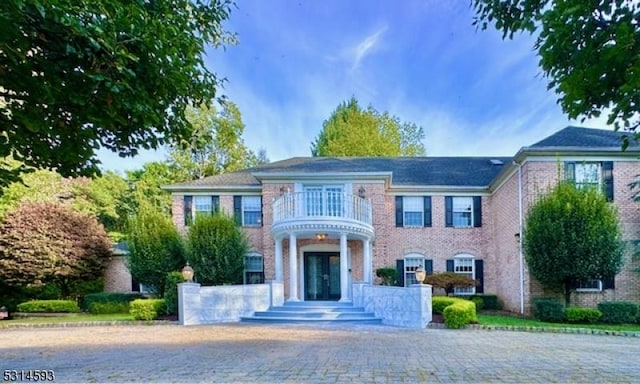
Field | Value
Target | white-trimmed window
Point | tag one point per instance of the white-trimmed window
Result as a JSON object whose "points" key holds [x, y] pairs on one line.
{"points": [[251, 211], [588, 175], [464, 265], [589, 285], [202, 205], [462, 211], [253, 268], [413, 211], [324, 200], [411, 263]]}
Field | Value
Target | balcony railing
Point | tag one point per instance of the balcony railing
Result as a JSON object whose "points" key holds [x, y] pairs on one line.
{"points": [[321, 206]]}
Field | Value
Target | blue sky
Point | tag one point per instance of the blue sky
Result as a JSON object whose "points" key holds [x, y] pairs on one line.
{"points": [[473, 93]]}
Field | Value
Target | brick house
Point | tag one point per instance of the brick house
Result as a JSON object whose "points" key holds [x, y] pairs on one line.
{"points": [[320, 224]]}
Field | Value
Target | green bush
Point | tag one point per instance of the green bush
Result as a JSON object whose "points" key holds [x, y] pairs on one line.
{"points": [[582, 315], [439, 303], [479, 302], [171, 292], [460, 314], [107, 308], [490, 301], [147, 309], [49, 306], [388, 275], [108, 297], [548, 309], [618, 312]]}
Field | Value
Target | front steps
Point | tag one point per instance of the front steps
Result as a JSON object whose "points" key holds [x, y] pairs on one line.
{"points": [[314, 312]]}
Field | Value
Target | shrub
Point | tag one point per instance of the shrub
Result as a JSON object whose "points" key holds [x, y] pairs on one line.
{"points": [[439, 303], [52, 306], [388, 275], [490, 301], [460, 314], [449, 281], [479, 302], [548, 309], [106, 308], [582, 315], [147, 309], [171, 292], [108, 297], [618, 312]]}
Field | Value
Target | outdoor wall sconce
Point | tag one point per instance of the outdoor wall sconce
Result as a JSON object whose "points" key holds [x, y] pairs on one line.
{"points": [[420, 275], [187, 273], [517, 236], [361, 192], [284, 190], [321, 236]]}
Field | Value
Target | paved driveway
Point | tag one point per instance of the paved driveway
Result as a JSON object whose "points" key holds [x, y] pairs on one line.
{"points": [[247, 353]]}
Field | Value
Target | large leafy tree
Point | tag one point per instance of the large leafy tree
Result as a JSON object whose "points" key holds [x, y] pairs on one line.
{"points": [[78, 75], [45, 243], [572, 235], [216, 249], [216, 145], [589, 50], [354, 131]]}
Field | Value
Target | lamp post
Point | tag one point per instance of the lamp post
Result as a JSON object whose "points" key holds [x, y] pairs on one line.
{"points": [[187, 273], [420, 274]]}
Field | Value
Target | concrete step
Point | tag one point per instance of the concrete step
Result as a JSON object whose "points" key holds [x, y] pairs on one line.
{"points": [[316, 314], [314, 311]]}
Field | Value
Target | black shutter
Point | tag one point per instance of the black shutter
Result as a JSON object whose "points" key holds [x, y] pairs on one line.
{"points": [[479, 269], [450, 265], [428, 266], [215, 204], [570, 171], [261, 213], [400, 272], [477, 211], [188, 210], [399, 214], [427, 211], [609, 282], [237, 209], [607, 173], [448, 211]]}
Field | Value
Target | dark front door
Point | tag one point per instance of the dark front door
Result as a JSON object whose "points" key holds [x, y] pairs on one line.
{"points": [[321, 276]]}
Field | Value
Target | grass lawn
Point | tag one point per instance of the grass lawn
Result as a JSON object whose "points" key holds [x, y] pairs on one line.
{"points": [[80, 317], [512, 321]]}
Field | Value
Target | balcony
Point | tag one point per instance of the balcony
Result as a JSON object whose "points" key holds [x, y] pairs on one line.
{"points": [[314, 211]]}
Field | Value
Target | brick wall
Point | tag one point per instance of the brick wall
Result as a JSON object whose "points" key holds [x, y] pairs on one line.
{"points": [[116, 275]]}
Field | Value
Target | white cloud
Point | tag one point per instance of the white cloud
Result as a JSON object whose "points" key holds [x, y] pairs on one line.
{"points": [[365, 47]]}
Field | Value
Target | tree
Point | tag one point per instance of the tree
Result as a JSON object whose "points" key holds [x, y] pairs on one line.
{"points": [[155, 248], [216, 145], [572, 235], [146, 185], [104, 197], [43, 243], [77, 75], [216, 249], [449, 281], [589, 50], [353, 131]]}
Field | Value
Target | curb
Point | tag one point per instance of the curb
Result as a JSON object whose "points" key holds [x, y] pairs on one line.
{"points": [[80, 324], [577, 331]]}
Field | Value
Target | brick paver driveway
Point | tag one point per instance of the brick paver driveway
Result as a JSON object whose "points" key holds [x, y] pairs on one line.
{"points": [[243, 353]]}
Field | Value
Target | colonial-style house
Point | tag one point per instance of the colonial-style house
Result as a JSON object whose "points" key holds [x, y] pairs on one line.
{"points": [[319, 224]]}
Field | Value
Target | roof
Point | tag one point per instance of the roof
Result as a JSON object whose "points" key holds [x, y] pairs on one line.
{"points": [[578, 138]]}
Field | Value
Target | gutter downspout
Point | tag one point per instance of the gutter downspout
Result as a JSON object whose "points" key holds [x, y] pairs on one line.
{"points": [[520, 227]]}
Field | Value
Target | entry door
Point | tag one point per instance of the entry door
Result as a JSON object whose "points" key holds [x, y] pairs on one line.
{"points": [[321, 276]]}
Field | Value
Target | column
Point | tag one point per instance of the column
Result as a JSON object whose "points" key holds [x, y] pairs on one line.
{"points": [[279, 270], [344, 269], [368, 267], [293, 268]]}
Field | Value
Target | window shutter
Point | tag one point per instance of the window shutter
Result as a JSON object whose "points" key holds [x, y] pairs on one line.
{"points": [[188, 210], [427, 211], [479, 270], [215, 204], [237, 209], [428, 266], [607, 173], [477, 211], [450, 265], [448, 211], [261, 213], [400, 272], [399, 215], [570, 170], [609, 282]]}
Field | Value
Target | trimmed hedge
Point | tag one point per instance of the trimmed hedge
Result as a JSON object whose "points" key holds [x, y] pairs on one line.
{"points": [[582, 315], [107, 308], [548, 309], [439, 303], [147, 309], [460, 314], [489, 301], [108, 297], [49, 306], [171, 292], [618, 312]]}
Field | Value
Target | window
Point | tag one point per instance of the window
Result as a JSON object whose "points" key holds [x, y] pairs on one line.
{"points": [[411, 263], [202, 205], [587, 175], [590, 285], [462, 211], [413, 207], [464, 266], [253, 269], [251, 211], [323, 200], [598, 175], [199, 205]]}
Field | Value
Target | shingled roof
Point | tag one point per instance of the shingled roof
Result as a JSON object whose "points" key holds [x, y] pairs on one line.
{"points": [[584, 139]]}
